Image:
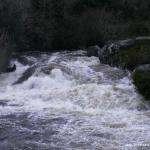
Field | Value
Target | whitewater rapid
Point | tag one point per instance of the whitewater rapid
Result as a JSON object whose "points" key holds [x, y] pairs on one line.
{"points": [[71, 102]]}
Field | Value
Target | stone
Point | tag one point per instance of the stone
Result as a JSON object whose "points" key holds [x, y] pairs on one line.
{"points": [[141, 79], [126, 54], [134, 55], [93, 51]]}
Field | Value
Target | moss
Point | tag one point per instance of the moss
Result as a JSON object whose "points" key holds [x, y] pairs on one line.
{"points": [[142, 82], [135, 56]]}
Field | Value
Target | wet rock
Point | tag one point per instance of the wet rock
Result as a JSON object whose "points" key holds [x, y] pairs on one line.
{"points": [[141, 78], [93, 51], [128, 53], [25, 61], [26, 75], [11, 68]]}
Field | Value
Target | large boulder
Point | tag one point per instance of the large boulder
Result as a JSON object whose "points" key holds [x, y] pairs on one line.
{"points": [[131, 54], [93, 51], [128, 53], [141, 78]]}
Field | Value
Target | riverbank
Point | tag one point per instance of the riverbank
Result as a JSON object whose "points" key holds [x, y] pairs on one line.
{"points": [[130, 54]]}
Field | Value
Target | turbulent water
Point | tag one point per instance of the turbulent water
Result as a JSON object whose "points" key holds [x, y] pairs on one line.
{"points": [[68, 101]]}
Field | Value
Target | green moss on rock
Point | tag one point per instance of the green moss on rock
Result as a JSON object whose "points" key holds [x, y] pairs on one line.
{"points": [[142, 82], [134, 56], [130, 54]]}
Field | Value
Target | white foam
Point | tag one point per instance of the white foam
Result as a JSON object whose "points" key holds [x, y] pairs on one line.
{"points": [[60, 91], [109, 106], [9, 78], [57, 91]]}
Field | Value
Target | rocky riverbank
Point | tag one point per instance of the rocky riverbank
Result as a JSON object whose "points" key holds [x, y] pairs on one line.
{"points": [[131, 54], [141, 78]]}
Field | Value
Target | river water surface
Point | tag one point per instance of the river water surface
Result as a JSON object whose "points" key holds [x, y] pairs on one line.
{"points": [[71, 102]]}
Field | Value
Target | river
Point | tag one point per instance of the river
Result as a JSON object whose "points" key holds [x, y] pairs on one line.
{"points": [[71, 102]]}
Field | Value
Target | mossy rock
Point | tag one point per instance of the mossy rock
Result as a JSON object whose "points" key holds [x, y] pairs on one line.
{"points": [[133, 56], [126, 54], [142, 82]]}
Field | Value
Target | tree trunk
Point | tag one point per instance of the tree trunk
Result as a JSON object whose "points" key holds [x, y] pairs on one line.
{"points": [[5, 52]]}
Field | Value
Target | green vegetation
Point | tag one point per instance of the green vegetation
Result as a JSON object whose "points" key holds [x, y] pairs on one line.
{"points": [[134, 56], [61, 24], [142, 82], [71, 24]]}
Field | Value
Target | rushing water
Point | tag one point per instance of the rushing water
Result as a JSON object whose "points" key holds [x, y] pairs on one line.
{"points": [[71, 102]]}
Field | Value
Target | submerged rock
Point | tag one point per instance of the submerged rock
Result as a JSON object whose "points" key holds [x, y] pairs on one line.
{"points": [[11, 68], [127, 54], [24, 60], [26, 75]]}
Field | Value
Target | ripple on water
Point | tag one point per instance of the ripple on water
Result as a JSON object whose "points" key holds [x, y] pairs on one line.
{"points": [[78, 104]]}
